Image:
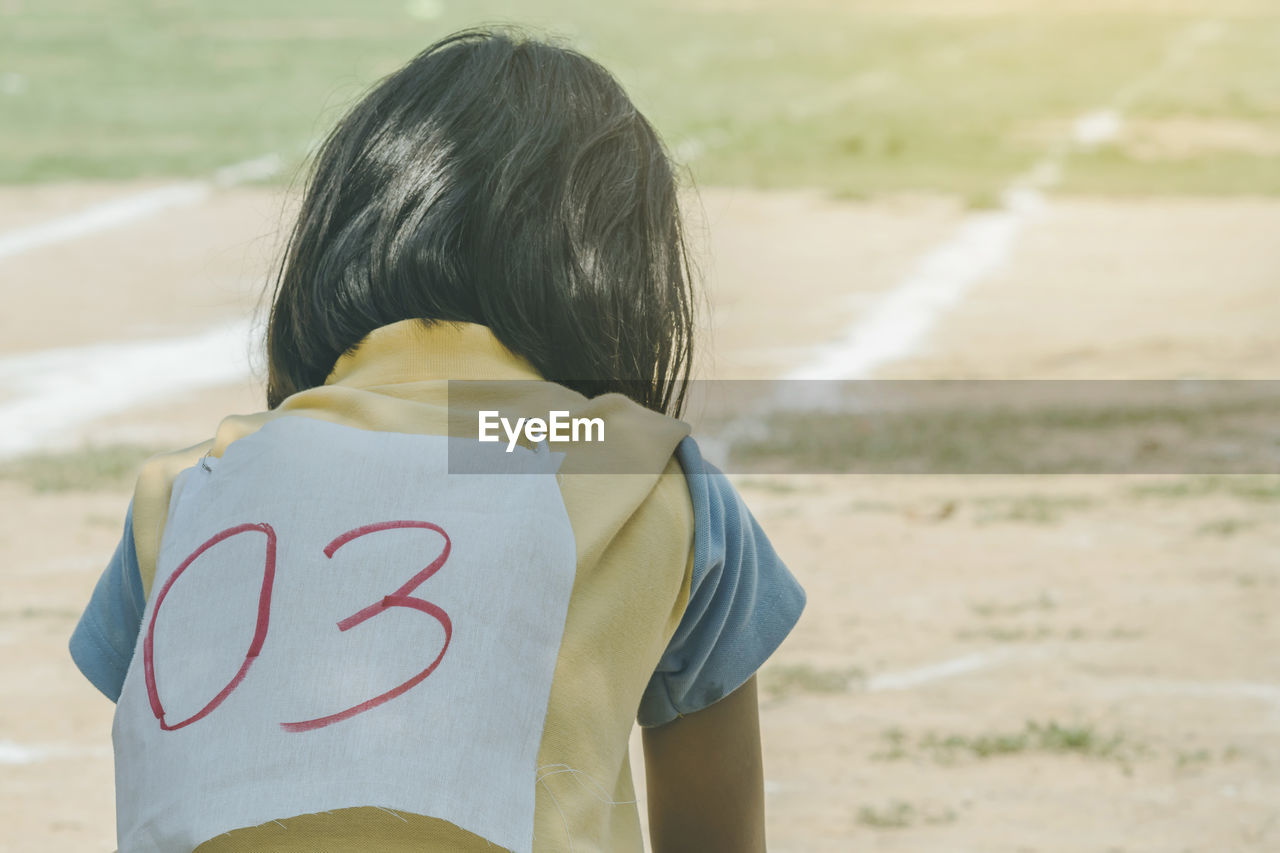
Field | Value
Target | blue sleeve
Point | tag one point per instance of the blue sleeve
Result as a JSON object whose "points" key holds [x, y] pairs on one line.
{"points": [[742, 601], [103, 642]]}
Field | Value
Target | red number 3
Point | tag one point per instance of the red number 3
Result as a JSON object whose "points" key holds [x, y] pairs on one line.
{"points": [[400, 598]]}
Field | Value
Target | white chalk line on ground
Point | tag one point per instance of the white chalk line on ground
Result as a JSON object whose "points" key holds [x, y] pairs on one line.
{"points": [[922, 675], [899, 323], [1119, 684], [13, 753], [58, 390], [122, 211]]}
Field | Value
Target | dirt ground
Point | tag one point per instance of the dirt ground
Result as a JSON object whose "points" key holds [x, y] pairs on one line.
{"points": [[1011, 664]]}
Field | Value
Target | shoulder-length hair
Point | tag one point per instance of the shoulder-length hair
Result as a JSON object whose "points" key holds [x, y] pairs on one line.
{"points": [[499, 180]]}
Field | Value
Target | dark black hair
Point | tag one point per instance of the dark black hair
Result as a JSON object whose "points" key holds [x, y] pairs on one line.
{"points": [[501, 180]]}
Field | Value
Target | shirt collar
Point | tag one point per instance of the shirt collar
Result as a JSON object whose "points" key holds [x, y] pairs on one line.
{"points": [[416, 351]]}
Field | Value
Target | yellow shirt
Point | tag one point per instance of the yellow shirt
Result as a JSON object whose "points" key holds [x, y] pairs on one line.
{"points": [[634, 538]]}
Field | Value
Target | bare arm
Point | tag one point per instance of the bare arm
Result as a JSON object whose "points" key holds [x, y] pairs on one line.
{"points": [[706, 779]]}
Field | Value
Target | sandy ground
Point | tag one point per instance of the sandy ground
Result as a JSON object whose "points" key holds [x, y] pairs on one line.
{"points": [[172, 274], [1141, 290], [1138, 615]]}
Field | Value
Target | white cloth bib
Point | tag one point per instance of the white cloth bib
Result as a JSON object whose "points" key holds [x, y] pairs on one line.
{"points": [[335, 622]]}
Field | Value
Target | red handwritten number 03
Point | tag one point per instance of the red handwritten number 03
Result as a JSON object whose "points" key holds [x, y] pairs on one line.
{"points": [[400, 598]]}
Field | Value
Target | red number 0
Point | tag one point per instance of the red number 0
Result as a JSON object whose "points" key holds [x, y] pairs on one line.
{"points": [[399, 598], [259, 630]]}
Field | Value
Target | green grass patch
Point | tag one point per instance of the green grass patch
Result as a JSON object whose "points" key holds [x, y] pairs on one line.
{"points": [[1110, 171], [1192, 758], [1050, 737], [1030, 509], [896, 815], [1225, 528], [988, 609], [852, 97], [1034, 738], [997, 437], [780, 681], [1250, 580], [1005, 633], [1258, 488], [1039, 633], [900, 814], [894, 745], [84, 470]]}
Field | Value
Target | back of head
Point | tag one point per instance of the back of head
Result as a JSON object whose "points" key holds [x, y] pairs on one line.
{"points": [[498, 180]]}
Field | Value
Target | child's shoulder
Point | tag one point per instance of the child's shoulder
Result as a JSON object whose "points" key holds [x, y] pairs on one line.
{"points": [[154, 490], [742, 600]]}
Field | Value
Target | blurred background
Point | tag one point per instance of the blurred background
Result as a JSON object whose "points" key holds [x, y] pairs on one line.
{"points": [[918, 189]]}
